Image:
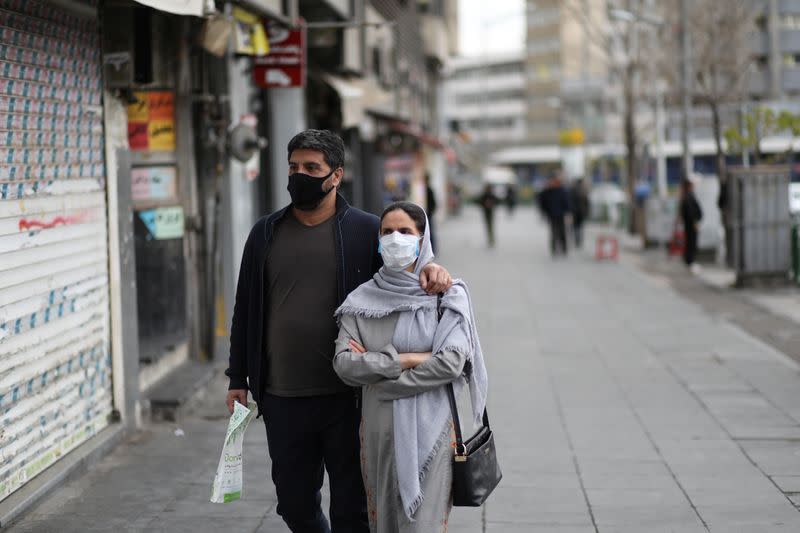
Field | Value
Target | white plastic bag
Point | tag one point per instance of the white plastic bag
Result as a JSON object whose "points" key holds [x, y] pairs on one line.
{"points": [[228, 480]]}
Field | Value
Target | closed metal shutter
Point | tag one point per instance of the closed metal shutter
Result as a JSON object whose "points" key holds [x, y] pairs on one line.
{"points": [[55, 366]]}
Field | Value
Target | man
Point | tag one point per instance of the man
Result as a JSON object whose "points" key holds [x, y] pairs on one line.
{"points": [[580, 210], [691, 214], [554, 202], [488, 201], [298, 265]]}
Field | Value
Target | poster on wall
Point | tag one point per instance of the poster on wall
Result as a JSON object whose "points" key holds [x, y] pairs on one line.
{"points": [[151, 121], [403, 179], [397, 178], [163, 223], [250, 37], [153, 183]]}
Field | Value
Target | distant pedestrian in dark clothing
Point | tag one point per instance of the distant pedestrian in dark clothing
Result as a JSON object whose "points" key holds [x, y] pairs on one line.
{"points": [[488, 201], [579, 200], [511, 198], [431, 208], [691, 214], [554, 201]]}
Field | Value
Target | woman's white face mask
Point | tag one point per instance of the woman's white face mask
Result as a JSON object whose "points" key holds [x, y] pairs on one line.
{"points": [[398, 251]]}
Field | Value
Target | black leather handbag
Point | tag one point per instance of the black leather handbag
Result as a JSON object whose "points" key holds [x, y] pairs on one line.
{"points": [[476, 471]]}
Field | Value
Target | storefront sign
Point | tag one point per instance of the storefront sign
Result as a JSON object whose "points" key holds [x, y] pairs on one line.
{"points": [[163, 223], [285, 65], [249, 34], [153, 183], [151, 121]]}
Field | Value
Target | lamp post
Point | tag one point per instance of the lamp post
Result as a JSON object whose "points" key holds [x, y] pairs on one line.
{"points": [[686, 88]]}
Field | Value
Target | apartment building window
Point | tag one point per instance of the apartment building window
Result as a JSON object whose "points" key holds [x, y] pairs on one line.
{"points": [[492, 97], [543, 46], [790, 21], [791, 60], [494, 123], [506, 68], [544, 72], [544, 17], [480, 71]]}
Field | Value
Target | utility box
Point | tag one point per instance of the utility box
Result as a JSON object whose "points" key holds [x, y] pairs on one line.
{"points": [[761, 224]]}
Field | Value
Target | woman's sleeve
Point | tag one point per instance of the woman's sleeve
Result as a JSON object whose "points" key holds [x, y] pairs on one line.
{"points": [[442, 368], [358, 369]]}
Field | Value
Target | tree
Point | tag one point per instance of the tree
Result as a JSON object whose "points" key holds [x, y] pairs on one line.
{"points": [[721, 57], [759, 123], [629, 40]]}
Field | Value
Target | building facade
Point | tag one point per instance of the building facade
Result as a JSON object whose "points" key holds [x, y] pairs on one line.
{"points": [[776, 50], [567, 67], [485, 101]]}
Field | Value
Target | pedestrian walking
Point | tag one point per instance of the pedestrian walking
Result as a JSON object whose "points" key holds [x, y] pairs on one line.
{"points": [[394, 344], [488, 201], [511, 198], [298, 266], [690, 214], [555, 204], [579, 202]]}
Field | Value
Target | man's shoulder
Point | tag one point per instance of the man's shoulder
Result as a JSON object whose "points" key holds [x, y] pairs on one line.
{"points": [[259, 230], [361, 218]]}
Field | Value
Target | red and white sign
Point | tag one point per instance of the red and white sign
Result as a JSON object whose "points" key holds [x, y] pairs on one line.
{"points": [[285, 65]]}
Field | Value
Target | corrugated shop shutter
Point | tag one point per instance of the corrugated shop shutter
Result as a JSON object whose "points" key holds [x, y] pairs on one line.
{"points": [[55, 365]]}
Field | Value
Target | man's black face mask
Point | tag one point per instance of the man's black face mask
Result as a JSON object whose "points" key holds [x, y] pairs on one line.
{"points": [[307, 191]]}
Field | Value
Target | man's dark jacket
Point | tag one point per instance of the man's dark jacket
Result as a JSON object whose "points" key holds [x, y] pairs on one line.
{"points": [[357, 259]]}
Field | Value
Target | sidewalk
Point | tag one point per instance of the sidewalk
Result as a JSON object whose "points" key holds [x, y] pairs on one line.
{"points": [[771, 314], [619, 406]]}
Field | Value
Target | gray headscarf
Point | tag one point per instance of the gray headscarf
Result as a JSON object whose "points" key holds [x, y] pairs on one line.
{"points": [[420, 421]]}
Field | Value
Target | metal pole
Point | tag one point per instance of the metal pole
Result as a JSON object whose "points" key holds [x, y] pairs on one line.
{"points": [[661, 162], [686, 89]]}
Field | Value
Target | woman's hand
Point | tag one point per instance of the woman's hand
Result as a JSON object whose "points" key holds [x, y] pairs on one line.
{"points": [[356, 347], [411, 360]]}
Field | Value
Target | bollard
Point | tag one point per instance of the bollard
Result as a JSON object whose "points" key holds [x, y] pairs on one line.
{"points": [[606, 247]]}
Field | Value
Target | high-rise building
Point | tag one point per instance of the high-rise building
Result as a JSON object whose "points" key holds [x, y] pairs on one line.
{"points": [[776, 47], [484, 100], [567, 69]]}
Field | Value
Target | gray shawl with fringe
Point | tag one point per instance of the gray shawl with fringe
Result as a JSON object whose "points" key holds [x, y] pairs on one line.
{"points": [[421, 420]]}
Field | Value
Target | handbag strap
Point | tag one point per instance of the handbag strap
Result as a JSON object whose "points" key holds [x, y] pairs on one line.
{"points": [[461, 449]]}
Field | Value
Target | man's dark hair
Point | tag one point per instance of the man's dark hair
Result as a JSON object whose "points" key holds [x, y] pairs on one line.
{"points": [[416, 213], [325, 141]]}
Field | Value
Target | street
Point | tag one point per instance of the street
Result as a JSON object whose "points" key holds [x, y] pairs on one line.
{"points": [[618, 406]]}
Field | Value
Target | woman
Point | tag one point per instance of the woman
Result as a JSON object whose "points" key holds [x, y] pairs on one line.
{"points": [[394, 344]]}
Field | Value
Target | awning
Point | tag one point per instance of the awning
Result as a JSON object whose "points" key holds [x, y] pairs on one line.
{"points": [[424, 138], [527, 154], [351, 97], [178, 7]]}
